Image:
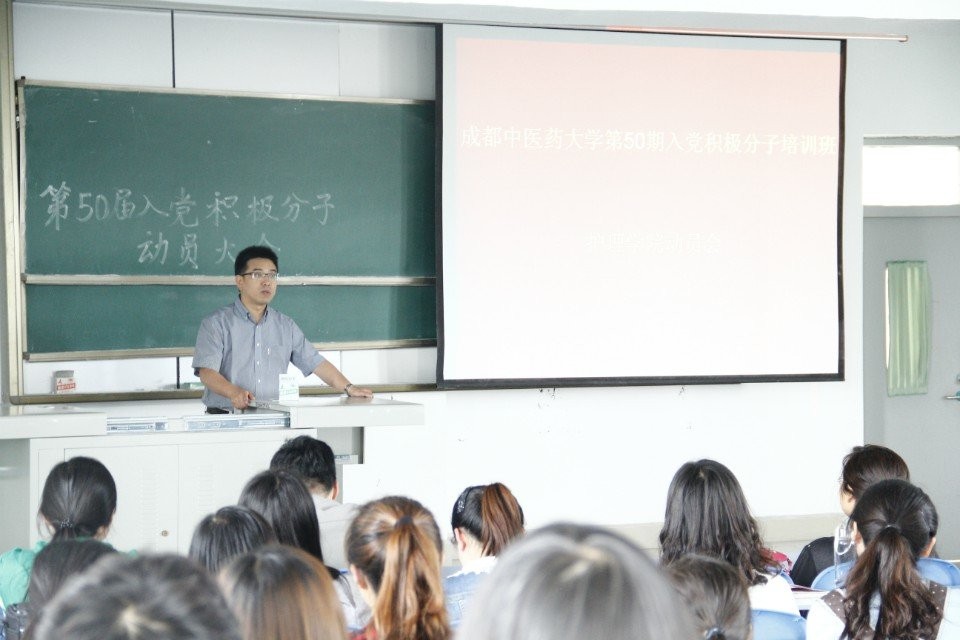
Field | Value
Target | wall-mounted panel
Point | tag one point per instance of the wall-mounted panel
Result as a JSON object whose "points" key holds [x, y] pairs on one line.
{"points": [[388, 61], [105, 46], [245, 53]]}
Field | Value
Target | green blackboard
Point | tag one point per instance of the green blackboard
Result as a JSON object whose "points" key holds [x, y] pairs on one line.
{"points": [[72, 318], [147, 184]]}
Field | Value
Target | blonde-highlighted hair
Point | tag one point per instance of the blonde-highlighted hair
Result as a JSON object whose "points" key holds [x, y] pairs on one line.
{"points": [[395, 543], [282, 593]]}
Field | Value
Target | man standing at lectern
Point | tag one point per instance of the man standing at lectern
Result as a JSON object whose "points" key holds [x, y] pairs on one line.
{"points": [[243, 348]]}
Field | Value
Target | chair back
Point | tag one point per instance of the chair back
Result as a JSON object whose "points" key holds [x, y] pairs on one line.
{"points": [[826, 579], [933, 569], [937, 570], [777, 625]]}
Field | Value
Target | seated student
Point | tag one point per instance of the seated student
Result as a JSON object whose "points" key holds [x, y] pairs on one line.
{"points": [[573, 582], [281, 593], [282, 499], [862, 467], [227, 533], [485, 519], [162, 597], [314, 462], [885, 596], [707, 513], [394, 549], [78, 501], [54, 563], [715, 594]]}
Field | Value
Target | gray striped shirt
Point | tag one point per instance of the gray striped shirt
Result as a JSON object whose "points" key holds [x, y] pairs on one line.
{"points": [[251, 355]]}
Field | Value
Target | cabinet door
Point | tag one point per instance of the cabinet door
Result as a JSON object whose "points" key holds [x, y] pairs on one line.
{"points": [[147, 494], [212, 475]]}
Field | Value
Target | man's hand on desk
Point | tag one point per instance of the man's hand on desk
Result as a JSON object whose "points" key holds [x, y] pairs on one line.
{"points": [[241, 398], [353, 391]]}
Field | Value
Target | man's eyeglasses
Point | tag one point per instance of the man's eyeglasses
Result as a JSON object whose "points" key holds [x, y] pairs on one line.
{"points": [[269, 276]]}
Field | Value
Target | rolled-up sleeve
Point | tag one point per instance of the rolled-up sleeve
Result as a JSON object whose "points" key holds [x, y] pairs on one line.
{"points": [[208, 351], [304, 355]]}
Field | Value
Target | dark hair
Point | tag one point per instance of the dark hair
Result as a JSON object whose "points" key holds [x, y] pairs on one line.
{"points": [[870, 464], [227, 533], [281, 593], [567, 582], [311, 459], [715, 594], [283, 500], [395, 543], [79, 498], [491, 514], [147, 597], [897, 521], [707, 513], [52, 566], [252, 253]]}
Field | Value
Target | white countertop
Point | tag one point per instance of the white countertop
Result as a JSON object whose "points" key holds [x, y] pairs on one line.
{"points": [[49, 421], [340, 411]]}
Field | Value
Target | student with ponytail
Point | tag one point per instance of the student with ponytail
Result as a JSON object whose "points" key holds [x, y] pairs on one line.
{"points": [[485, 519], [885, 597], [78, 501], [394, 550]]}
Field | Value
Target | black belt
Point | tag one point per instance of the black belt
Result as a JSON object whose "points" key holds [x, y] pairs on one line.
{"points": [[216, 410]]}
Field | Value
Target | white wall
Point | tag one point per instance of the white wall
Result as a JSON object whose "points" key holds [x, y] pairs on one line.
{"points": [[603, 455]]}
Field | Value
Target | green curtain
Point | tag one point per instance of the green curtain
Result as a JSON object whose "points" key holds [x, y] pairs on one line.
{"points": [[909, 327]]}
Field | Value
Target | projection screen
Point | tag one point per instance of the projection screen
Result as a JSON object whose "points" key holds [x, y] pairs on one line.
{"points": [[623, 208]]}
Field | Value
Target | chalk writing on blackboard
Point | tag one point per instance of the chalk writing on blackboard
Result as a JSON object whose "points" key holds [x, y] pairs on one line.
{"points": [[178, 220]]}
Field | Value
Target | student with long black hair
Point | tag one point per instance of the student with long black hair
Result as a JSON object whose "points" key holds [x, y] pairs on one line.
{"points": [[862, 467], [707, 513], [78, 501], [885, 596], [284, 501]]}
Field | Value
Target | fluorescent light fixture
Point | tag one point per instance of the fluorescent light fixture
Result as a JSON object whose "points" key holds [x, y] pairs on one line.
{"points": [[911, 175]]}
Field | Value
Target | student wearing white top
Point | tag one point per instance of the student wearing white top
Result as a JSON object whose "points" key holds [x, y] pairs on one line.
{"points": [[314, 462], [707, 513], [894, 525]]}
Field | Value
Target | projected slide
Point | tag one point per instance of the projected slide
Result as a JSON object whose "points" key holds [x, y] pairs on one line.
{"points": [[639, 209]]}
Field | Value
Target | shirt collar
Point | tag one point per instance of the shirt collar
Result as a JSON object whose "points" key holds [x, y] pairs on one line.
{"points": [[244, 313]]}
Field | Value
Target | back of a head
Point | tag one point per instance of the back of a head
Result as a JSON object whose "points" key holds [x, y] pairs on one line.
{"points": [[311, 459], [79, 498], [568, 582], [715, 594], [395, 543], [870, 464], [491, 514], [707, 513], [58, 561], [160, 597], [282, 593], [227, 533], [283, 500], [897, 522]]}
